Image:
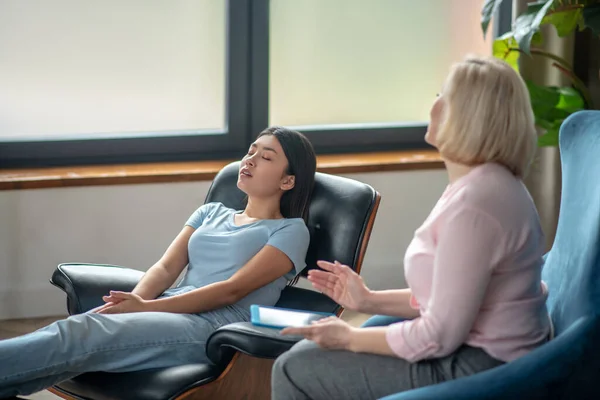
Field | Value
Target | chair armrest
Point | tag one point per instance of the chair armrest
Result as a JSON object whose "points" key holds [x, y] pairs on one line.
{"points": [[249, 339], [263, 342], [564, 368], [85, 284]]}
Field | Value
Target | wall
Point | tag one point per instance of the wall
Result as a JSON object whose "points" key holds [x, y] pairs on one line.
{"points": [[133, 225]]}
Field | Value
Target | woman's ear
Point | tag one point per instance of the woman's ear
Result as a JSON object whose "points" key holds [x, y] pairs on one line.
{"points": [[288, 182]]}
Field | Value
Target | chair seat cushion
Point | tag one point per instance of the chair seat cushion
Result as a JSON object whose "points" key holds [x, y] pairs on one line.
{"points": [[154, 384]]}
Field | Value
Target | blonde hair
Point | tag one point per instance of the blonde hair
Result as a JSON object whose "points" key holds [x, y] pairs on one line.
{"points": [[487, 116]]}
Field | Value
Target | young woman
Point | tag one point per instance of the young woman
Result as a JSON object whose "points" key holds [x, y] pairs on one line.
{"points": [[234, 259], [475, 298]]}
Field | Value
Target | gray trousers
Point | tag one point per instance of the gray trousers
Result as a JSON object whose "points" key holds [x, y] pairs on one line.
{"points": [[308, 371]]}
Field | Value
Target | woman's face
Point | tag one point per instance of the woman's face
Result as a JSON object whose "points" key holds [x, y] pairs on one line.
{"points": [[435, 118], [263, 169]]}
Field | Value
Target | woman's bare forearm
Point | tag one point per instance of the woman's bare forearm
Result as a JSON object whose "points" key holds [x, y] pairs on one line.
{"points": [[207, 298], [155, 281], [394, 302]]}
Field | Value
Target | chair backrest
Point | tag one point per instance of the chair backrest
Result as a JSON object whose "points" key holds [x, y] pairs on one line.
{"points": [[341, 216], [572, 266]]}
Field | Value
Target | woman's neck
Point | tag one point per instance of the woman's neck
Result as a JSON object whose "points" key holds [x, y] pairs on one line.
{"points": [[456, 170], [263, 208]]}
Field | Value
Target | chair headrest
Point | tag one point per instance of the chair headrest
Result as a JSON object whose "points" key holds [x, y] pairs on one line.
{"points": [[341, 211]]}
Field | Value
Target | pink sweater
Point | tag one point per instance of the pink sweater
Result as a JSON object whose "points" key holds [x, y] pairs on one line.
{"points": [[474, 268]]}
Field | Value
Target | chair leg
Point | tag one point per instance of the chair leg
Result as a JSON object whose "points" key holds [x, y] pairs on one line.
{"points": [[246, 378]]}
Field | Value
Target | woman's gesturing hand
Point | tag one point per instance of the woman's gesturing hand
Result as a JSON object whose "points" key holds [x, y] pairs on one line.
{"points": [[341, 283]]}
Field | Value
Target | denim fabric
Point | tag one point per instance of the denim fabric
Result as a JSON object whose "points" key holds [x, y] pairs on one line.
{"points": [[381, 320], [108, 342]]}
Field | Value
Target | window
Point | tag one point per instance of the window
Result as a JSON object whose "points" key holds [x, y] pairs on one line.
{"points": [[366, 71], [117, 74], [152, 80], [106, 81]]}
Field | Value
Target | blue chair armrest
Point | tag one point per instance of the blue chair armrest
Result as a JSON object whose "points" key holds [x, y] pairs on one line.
{"points": [[565, 368]]}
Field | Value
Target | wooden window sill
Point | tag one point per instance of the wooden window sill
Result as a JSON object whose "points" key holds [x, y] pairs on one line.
{"points": [[126, 174]]}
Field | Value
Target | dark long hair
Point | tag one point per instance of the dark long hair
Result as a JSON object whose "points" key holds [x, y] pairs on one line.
{"points": [[302, 163]]}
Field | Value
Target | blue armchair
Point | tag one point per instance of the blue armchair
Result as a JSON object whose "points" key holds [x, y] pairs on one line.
{"points": [[568, 367]]}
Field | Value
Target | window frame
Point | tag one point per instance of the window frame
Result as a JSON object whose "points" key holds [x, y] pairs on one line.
{"points": [[340, 138], [246, 114], [118, 148]]}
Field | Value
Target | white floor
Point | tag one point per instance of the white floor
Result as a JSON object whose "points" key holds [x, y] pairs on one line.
{"points": [[42, 396]]}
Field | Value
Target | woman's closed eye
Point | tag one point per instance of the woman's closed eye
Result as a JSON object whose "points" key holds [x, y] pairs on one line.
{"points": [[263, 157], [251, 153]]}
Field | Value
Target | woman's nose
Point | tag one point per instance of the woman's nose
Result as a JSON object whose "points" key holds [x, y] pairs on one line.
{"points": [[250, 161]]}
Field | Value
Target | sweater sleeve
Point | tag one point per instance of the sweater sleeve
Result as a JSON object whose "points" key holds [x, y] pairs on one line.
{"points": [[469, 244]]}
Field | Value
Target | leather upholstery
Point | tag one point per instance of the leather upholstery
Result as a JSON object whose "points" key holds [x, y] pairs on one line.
{"points": [[338, 214], [302, 299], [567, 367], [265, 342], [155, 384], [341, 210], [249, 339], [85, 284]]}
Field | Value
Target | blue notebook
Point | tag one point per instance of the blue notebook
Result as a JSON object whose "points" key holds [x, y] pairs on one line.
{"points": [[277, 317]]}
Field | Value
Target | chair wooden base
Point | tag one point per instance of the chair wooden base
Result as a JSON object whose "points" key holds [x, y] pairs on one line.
{"points": [[60, 394], [245, 378]]}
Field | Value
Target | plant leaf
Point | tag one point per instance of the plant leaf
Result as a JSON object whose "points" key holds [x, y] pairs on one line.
{"points": [[488, 10], [543, 101], [542, 123], [551, 105], [537, 39], [565, 22], [570, 100], [550, 137], [528, 23], [591, 18], [502, 50]]}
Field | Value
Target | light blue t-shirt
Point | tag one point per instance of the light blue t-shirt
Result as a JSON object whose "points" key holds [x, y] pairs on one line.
{"points": [[218, 248]]}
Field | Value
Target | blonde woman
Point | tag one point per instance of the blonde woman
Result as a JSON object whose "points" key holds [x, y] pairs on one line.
{"points": [[475, 298]]}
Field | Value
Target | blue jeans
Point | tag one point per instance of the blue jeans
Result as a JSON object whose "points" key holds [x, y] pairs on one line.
{"points": [[108, 342], [381, 320]]}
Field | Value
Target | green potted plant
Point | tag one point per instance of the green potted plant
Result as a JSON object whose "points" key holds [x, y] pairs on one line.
{"points": [[551, 104]]}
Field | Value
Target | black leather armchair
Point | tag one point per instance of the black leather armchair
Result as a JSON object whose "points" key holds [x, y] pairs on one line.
{"points": [[342, 213]]}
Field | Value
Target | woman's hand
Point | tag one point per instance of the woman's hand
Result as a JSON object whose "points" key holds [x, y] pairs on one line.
{"points": [[123, 302], [340, 283], [109, 301], [330, 333]]}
